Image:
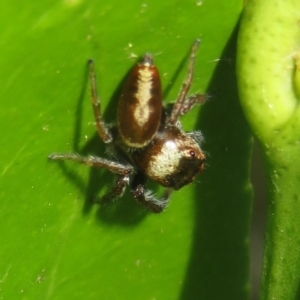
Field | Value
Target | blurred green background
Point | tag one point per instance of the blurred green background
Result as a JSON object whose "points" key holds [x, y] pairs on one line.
{"points": [[54, 242]]}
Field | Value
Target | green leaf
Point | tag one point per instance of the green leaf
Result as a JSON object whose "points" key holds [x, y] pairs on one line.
{"points": [[55, 243], [269, 88]]}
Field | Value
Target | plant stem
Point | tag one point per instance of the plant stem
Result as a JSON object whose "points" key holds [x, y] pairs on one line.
{"points": [[268, 75]]}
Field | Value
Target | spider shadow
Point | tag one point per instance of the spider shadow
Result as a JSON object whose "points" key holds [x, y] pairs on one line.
{"points": [[182, 65], [124, 211], [222, 201]]}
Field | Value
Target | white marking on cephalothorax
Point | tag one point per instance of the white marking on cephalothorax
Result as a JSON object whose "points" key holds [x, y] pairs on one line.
{"points": [[166, 162], [143, 95]]}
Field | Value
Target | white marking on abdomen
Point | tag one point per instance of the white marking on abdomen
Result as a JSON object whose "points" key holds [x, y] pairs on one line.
{"points": [[142, 110]]}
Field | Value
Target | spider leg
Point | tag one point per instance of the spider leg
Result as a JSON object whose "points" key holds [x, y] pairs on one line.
{"points": [[123, 170], [146, 197], [190, 102], [116, 191], [93, 161], [101, 127], [176, 110]]}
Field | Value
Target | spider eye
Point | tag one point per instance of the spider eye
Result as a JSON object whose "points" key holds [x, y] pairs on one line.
{"points": [[192, 153]]}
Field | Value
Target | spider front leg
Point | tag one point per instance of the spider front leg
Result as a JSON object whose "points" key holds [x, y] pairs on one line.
{"points": [[146, 197], [116, 191]]}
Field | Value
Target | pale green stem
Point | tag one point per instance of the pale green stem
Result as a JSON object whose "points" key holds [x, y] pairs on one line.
{"points": [[269, 84]]}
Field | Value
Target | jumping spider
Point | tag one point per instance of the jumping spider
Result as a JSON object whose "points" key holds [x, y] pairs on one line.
{"points": [[148, 141]]}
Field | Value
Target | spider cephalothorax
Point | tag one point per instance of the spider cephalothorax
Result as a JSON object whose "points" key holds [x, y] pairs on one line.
{"points": [[148, 141]]}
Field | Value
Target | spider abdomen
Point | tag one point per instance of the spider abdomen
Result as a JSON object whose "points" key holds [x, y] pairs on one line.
{"points": [[140, 105]]}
